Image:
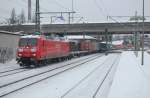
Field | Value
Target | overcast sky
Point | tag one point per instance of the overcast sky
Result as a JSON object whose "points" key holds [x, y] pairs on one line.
{"points": [[90, 10]]}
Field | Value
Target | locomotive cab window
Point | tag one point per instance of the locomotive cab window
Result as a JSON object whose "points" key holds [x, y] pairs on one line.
{"points": [[28, 42]]}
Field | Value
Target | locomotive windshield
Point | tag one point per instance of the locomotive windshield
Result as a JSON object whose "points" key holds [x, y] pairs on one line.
{"points": [[27, 42]]}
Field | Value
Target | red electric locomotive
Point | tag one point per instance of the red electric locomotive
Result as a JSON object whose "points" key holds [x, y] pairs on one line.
{"points": [[37, 49]]}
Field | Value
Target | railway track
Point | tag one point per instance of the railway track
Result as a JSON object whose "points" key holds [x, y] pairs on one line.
{"points": [[51, 66], [106, 75], [14, 71], [11, 70], [17, 85], [115, 60]]}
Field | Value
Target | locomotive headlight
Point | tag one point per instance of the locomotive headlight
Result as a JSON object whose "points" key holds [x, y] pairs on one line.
{"points": [[20, 50], [33, 49], [34, 54], [20, 54]]}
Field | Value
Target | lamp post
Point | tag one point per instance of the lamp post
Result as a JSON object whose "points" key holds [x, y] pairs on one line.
{"points": [[142, 63]]}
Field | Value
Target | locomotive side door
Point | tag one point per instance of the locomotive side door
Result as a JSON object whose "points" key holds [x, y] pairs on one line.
{"points": [[43, 49]]}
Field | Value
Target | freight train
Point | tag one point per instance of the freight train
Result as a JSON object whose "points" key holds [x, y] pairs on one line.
{"points": [[37, 50]]}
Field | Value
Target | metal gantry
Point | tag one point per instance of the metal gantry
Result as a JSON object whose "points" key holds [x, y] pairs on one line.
{"points": [[61, 13]]}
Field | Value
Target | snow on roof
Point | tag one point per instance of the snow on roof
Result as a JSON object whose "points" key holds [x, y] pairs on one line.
{"points": [[28, 24], [118, 42], [103, 42], [79, 37], [31, 36], [12, 33]]}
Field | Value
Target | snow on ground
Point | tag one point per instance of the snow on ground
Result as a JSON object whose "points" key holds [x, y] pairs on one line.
{"points": [[31, 72], [146, 67], [105, 88], [55, 87], [148, 50], [9, 65], [12, 62], [87, 88], [131, 79]]}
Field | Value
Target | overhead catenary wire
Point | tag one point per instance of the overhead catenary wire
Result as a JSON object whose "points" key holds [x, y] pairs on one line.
{"points": [[105, 8], [99, 7], [6, 10], [34, 5], [25, 2], [60, 5], [105, 12], [105, 15]]}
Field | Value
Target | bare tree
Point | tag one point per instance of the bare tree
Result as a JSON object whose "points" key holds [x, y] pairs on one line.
{"points": [[22, 18], [33, 18], [13, 18]]}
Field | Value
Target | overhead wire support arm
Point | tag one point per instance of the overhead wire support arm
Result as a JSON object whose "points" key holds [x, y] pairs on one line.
{"points": [[66, 12], [57, 12]]}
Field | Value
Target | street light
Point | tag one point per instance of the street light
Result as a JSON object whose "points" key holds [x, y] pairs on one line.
{"points": [[142, 63]]}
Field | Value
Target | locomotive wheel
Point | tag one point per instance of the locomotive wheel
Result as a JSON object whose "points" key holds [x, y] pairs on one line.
{"points": [[37, 64], [44, 62], [21, 64]]}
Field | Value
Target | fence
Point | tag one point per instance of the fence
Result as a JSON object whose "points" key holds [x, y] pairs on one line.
{"points": [[6, 54]]}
